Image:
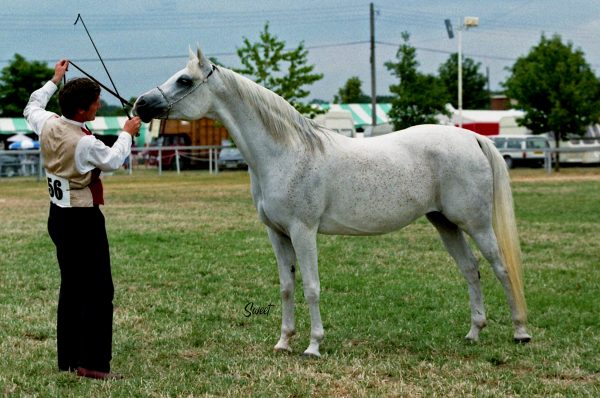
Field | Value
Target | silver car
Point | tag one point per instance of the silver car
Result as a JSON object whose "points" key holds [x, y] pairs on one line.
{"points": [[231, 158], [522, 150]]}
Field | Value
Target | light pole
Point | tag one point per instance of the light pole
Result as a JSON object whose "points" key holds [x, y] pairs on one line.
{"points": [[468, 22]]}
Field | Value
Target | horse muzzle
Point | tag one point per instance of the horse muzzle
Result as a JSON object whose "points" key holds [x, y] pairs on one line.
{"points": [[150, 105]]}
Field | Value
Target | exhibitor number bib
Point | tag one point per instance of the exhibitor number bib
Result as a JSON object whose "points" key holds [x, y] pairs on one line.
{"points": [[59, 190]]}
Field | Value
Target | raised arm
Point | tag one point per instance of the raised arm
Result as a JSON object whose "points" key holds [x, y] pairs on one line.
{"points": [[35, 111]]}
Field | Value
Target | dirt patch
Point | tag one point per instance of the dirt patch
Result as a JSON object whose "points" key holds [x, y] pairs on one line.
{"points": [[565, 175]]}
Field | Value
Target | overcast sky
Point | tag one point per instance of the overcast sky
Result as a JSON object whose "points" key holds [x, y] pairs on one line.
{"points": [[145, 41]]}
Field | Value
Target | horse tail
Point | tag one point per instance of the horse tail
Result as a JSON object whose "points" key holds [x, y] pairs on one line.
{"points": [[504, 223]]}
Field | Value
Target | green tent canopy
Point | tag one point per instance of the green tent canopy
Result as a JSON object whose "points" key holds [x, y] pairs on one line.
{"points": [[102, 125], [361, 113]]}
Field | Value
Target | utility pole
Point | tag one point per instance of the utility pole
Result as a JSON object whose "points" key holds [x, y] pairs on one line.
{"points": [[487, 76], [373, 88], [468, 22], [460, 94]]}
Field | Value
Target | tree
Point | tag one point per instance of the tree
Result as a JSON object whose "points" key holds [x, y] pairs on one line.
{"points": [[352, 92], [556, 88], [418, 97], [475, 95], [109, 109], [18, 80], [262, 61]]}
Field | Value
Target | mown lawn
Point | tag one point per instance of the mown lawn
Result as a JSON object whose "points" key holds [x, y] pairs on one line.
{"points": [[189, 254]]}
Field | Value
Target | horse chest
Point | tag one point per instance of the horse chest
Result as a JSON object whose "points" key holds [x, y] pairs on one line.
{"points": [[280, 206]]}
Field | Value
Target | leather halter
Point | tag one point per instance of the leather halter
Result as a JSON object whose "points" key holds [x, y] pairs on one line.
{"points": [[170, 103]]}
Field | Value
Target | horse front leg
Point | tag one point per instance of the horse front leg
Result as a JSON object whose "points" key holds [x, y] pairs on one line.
{"points": [[286, 263], [304, 241]]}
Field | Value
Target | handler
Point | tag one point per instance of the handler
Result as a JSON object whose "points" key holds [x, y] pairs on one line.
{"points": [[73, 159]]}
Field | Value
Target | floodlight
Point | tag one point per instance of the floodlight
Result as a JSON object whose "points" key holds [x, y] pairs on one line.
{"points": [[471, 22], [449, 28]]}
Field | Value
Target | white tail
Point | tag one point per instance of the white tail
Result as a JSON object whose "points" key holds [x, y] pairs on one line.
{"points": [[505, 226]]}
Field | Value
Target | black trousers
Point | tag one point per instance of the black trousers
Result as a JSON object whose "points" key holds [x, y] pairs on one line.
{"points": [[85, 302]]}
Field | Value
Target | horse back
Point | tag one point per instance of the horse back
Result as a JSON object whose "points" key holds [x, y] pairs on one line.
{"points": [[377, 185]]}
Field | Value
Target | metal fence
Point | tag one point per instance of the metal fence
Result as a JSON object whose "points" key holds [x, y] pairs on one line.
{"points": [[29, 162], [22, 162], [549, 154], [174, 156]]}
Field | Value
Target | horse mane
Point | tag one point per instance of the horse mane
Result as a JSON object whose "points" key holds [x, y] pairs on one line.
{"points": [[283, 122]]}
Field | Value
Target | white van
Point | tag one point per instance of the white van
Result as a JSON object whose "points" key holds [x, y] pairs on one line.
{"points": [[522, 150], [586, 155], [339, 121]]}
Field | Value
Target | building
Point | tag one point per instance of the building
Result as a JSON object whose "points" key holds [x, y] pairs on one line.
{"points": [[486, 122]]}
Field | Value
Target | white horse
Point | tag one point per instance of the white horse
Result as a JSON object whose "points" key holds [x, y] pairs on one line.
{"points": [[308, 180]]}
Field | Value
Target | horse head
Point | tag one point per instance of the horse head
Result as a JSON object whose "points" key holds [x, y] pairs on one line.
{"points": [[183, 96]]}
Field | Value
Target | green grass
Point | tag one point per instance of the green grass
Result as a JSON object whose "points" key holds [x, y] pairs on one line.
{"points": [[188, 254]]}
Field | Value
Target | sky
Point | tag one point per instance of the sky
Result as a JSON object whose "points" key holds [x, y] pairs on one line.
{"points": [[144, 42]]}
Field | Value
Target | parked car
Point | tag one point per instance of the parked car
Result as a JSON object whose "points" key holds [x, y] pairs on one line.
{"points": [[231, 158], [10, 165], [584, 157], [168, 156], [523, 150], [339, 121]]}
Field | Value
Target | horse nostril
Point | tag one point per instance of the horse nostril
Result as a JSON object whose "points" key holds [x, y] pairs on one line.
{"points": [[141, 102]]}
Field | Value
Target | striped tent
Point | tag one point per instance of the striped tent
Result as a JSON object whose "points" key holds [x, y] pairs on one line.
{"points": [[11, 126], [103, 125], [361, 113]]}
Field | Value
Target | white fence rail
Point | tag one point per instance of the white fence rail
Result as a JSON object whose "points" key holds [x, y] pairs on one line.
{"points": [[29, 162], [549, 153], [22, 162]]}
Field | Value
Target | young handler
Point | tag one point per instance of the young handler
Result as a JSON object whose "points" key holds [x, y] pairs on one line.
{"points": [[73, 159]]}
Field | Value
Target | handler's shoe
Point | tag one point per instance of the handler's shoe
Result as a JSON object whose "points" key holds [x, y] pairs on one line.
{"points": [[96, 374]]}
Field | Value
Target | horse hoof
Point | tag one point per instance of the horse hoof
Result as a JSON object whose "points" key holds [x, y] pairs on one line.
{"points": [[522, 340], [310, 355], [283, 350], [472, 337]]}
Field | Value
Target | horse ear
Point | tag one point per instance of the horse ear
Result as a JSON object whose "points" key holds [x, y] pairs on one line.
{"points": [[204, 62], [192, 55]]}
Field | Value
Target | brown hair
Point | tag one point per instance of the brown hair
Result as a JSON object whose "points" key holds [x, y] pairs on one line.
{"points": [[78, 93]]}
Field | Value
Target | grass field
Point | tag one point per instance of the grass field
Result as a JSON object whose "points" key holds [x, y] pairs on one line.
{"points": [[189, 254]]}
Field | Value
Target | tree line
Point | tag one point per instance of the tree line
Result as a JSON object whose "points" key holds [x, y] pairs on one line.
{"points": [[553, 84]]}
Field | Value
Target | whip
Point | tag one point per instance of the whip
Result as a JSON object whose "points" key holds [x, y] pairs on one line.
{"points": [[115, 93]]}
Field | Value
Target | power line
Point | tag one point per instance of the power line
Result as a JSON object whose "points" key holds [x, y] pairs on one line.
{"points": [[436, 50], [313, 47], [171, 20], [222, 54]]}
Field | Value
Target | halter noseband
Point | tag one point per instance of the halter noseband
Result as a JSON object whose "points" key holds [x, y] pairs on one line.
{"points": [[171, 103]]}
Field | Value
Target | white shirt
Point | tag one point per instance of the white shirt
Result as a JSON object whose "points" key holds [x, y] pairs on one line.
{"points": [[90, 151]]}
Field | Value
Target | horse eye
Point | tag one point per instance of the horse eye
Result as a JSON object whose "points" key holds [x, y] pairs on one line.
{"points": [[185, 81]]}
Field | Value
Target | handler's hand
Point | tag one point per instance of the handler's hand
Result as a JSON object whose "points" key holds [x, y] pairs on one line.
{"points": [[60, 69], [132, 126]]}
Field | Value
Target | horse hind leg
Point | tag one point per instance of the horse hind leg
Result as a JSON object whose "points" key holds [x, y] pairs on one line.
{"points": [[456, 244], [488, 244], [286, 263]]}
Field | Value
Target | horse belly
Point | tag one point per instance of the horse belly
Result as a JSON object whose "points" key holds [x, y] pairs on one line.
{"points": [[377, 194], [372, 217], [331, 226]]}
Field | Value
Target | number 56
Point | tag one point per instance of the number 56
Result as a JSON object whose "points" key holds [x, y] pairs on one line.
{"points": [[54, 189]]}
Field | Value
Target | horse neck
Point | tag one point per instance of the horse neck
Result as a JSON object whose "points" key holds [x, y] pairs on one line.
{"points": [[248, 133], [240, 112]]}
